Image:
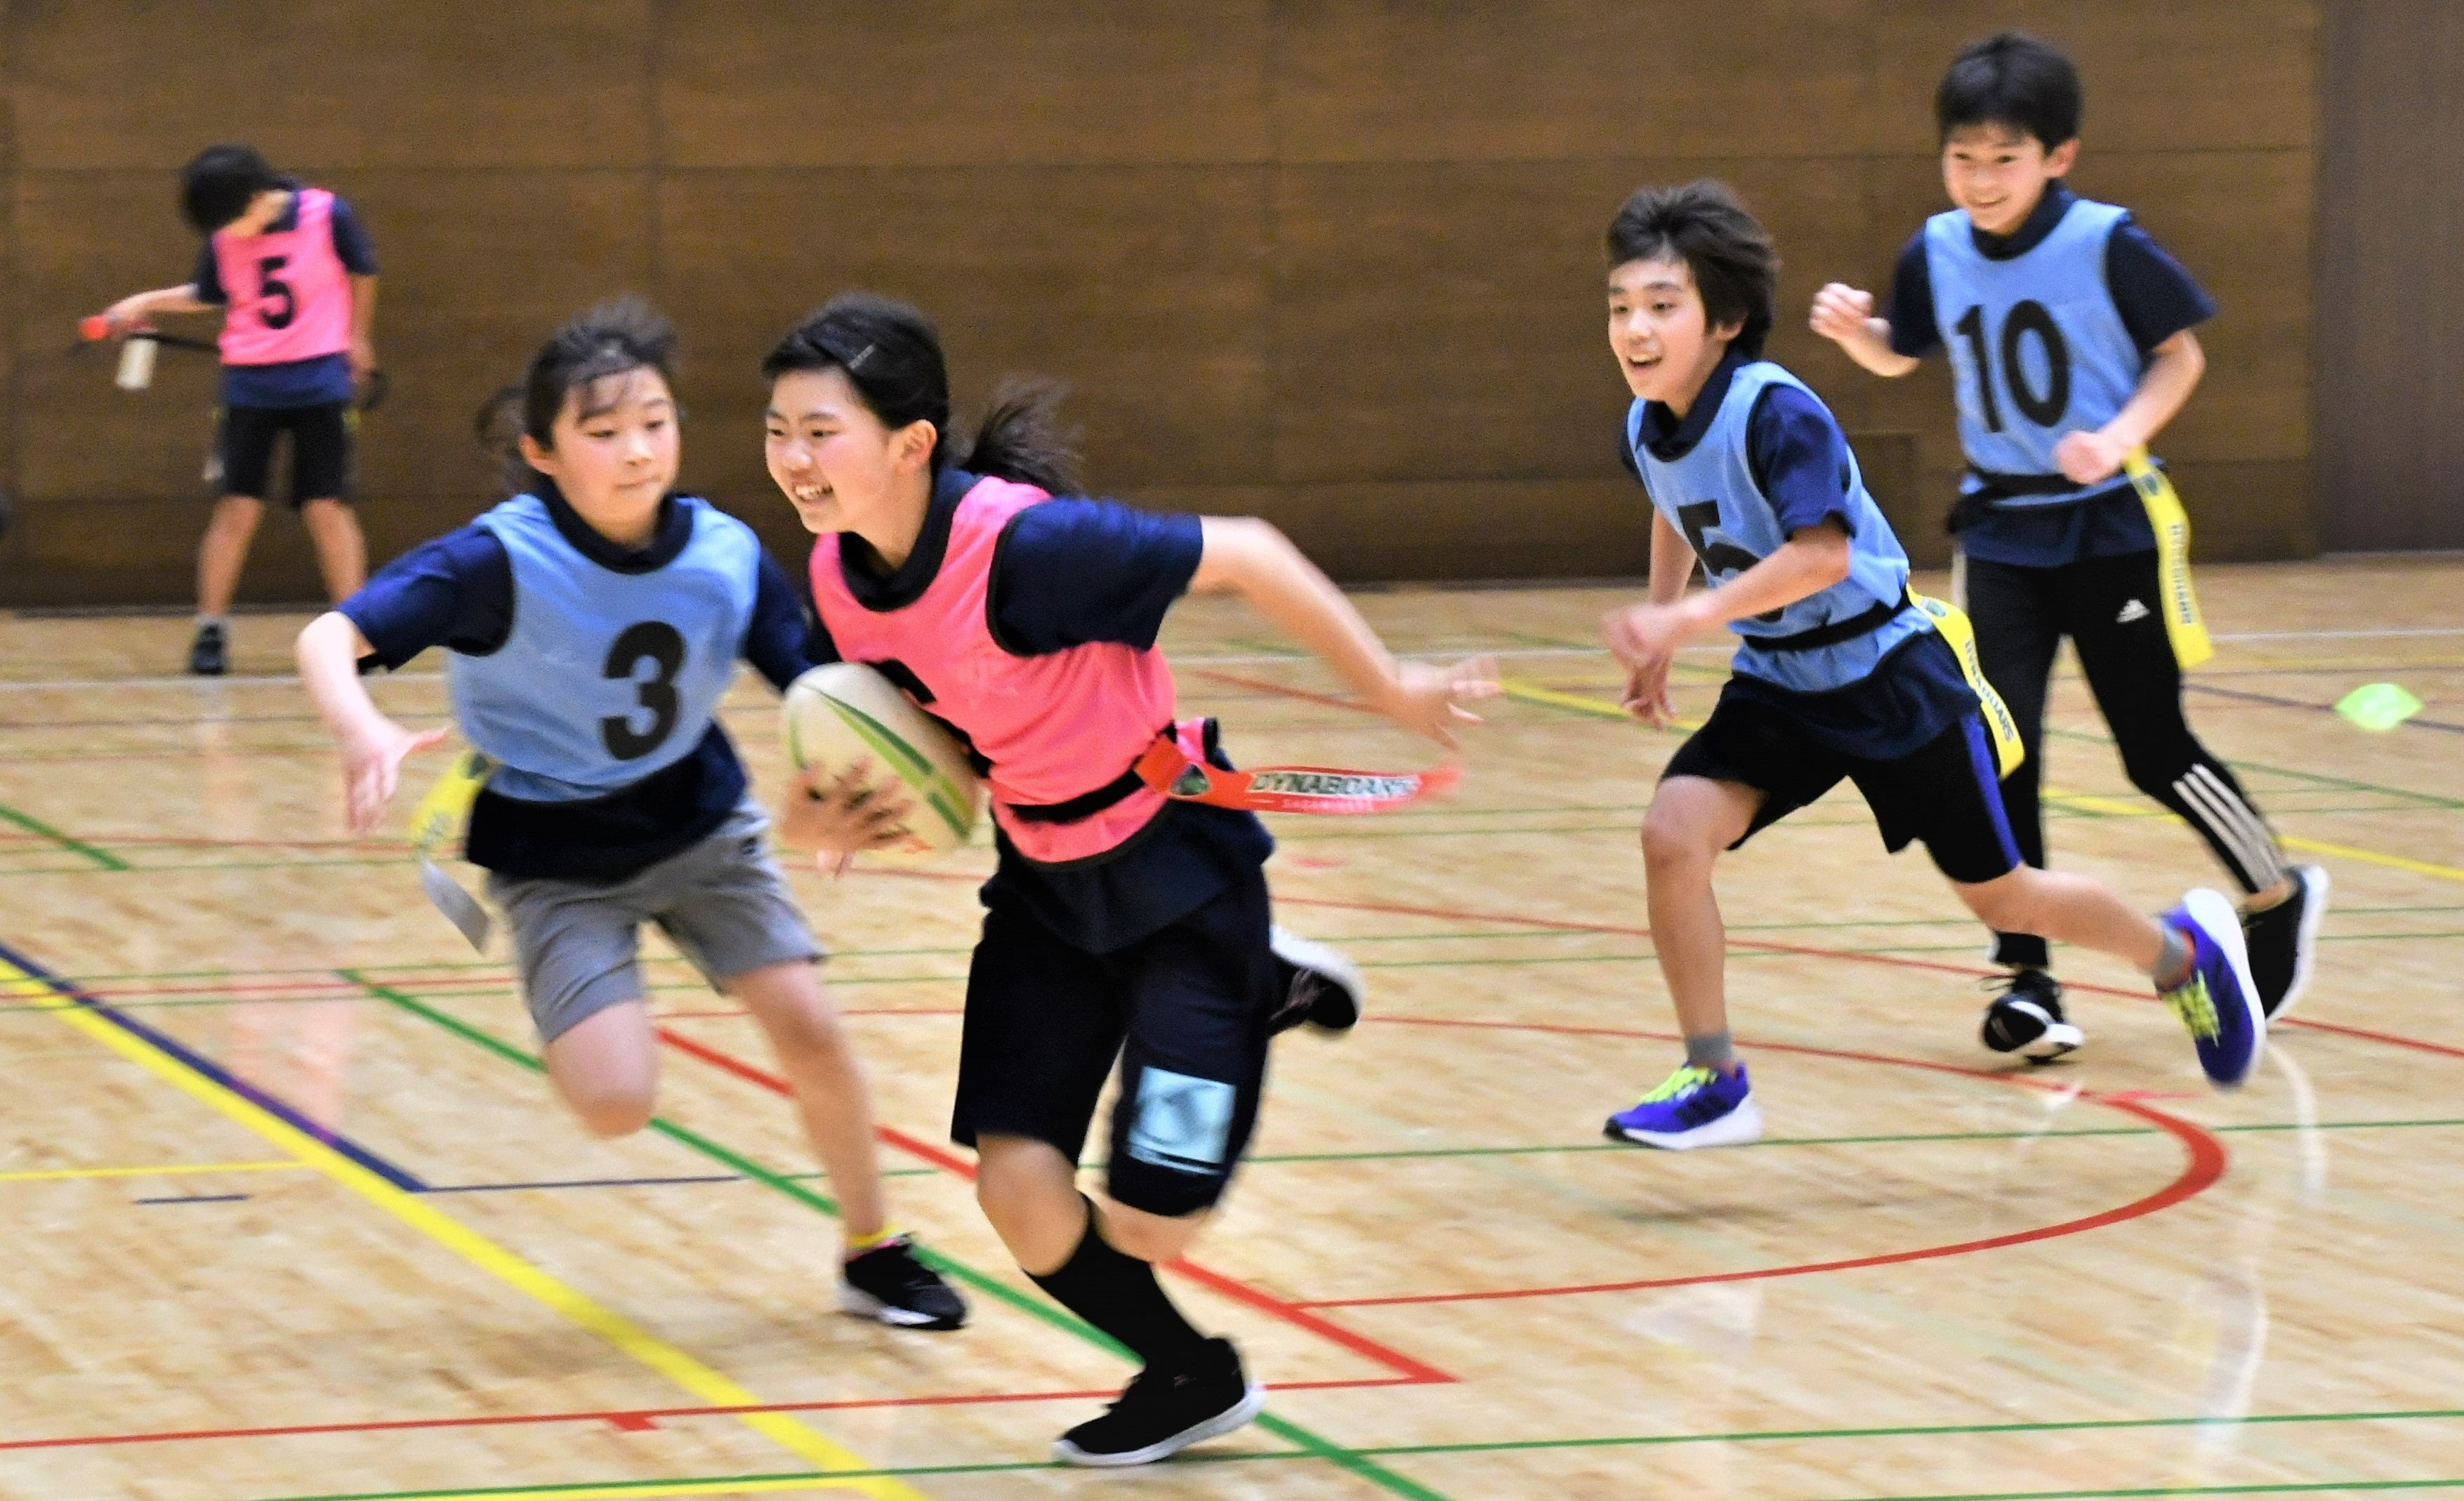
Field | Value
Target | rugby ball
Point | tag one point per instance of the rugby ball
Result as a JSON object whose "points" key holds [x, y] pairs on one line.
{"points": [[838, 714]]}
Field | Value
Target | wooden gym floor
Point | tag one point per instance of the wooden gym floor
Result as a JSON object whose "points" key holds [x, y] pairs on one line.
{"points": [[287, 1210]]}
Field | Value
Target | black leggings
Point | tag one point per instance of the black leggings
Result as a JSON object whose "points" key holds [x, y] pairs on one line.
{"points": [[2107, 606]]}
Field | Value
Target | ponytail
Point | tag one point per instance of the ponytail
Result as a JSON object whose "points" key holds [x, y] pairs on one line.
{"points": [[891, 355]]}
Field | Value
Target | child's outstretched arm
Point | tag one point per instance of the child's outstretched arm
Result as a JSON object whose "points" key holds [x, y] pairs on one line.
{"points": [[134, 309], [1251, 558], [1845, 315], [2092, 456], [373, 746], [1811, 560]]}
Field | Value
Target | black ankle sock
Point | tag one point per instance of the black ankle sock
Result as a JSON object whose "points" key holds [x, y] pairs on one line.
{"points": [[1118, 1294]]}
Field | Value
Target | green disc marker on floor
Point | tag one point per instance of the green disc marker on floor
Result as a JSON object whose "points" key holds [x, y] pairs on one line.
{"points": [[2378, 705]]}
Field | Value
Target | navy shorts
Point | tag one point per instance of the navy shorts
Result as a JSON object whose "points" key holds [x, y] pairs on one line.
{"points": [[1185, 1012], [320, 451], [1945, 793]]}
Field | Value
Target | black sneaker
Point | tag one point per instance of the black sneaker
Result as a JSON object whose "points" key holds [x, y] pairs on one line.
{"points": [[1318, 986], [2284, 938], [210, 654], [888, 1284], [1160, 1413], [2027, 1017]]}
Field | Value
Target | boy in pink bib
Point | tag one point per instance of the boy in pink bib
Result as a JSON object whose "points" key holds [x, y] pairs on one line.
{"points": [[1119, 925], [296, 280]]}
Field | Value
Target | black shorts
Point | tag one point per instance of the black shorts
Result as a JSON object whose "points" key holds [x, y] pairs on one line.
{"points": [[1945, 791], [320, 451], [1185, 1011]]}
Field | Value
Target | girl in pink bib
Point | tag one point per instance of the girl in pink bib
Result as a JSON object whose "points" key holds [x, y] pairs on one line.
{"points": [[1119, 925]]}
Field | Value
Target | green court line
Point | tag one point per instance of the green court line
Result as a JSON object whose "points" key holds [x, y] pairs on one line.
{"points": [[76, 846], [103, 977], [1911, 1137], [1310, 1444], [706, 1484]]}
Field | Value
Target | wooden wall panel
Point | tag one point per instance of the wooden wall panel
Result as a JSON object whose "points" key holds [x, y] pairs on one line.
{"points": [[1145, 289], [2391, 450], [963, 82], [1334, 261], [1567, 79], [478, 83]]}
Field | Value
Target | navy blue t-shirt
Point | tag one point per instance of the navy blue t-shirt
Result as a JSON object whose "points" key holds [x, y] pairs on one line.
{"points": [[2156, 297], [1067, 573], [1800, 460], [457, 592], [291, 382]]}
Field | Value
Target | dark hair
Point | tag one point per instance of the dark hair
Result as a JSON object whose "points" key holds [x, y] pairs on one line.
{"points": [[892, 356], [2015, 81], [611, 339], [220, 182], [1703, 224]]}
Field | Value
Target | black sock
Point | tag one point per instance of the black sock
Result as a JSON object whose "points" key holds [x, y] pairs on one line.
{"points": [[1118, 1294]]}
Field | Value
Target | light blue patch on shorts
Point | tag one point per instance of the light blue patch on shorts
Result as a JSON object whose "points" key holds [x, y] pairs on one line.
{"points": [[1182, 1122]]}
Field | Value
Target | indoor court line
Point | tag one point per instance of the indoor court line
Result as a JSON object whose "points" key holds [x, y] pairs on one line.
{"points": [[1310, 1443], [60, 1174], [707, 1485], [21, 977]]}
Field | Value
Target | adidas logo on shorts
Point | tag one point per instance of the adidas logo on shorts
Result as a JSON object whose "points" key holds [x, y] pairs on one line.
{"points": [[2132, 611]]}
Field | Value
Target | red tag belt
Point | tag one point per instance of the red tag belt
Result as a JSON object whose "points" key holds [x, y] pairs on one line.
{"points": [[1176, 766]]}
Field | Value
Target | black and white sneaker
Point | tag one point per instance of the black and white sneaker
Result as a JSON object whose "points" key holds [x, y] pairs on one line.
{"points": [[1318, 986], [2284, 938], [2027, 1018], [210, 654], [888, 1284], [1160, 1413]]}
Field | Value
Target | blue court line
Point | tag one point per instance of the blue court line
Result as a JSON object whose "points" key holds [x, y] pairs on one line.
{"points": [[200, 1064], [582, 1182], [196, 1198]]}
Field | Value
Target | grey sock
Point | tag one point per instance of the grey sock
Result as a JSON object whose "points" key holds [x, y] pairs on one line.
{"points": [[2173, 961], [220, 623], [1711, 1050]]}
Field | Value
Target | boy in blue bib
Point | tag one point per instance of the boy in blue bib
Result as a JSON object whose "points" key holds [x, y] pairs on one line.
{"points": [[593, 624], [2069, 333], [1838, 673]]}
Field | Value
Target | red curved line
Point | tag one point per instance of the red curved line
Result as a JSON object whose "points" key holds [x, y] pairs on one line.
{"points": [[2205, 1165], [2416, 1044], [1410, 1369]]}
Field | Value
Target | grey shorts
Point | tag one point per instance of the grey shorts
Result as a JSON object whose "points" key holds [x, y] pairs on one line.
{"points": [[722, 902]]}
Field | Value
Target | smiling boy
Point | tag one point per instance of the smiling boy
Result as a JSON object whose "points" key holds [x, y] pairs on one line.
{"points": [[1838, 674], [2070, 337]]}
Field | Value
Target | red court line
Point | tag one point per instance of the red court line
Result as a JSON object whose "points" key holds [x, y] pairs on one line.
{"points": [[629, 1420], [1413, 1371], [2205, 1164], [1280, 690], [1895, 960]]}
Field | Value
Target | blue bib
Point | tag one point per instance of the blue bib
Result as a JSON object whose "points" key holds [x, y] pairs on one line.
{"points": [[2038, 348], [606, 677], [1710, 496]]}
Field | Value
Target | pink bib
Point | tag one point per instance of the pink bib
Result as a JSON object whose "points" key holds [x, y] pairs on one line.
{"points": [[1055, 726], [290, 295]]}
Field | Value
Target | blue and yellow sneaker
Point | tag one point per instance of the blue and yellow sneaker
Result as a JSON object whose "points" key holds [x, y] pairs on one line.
{"points": [[1692, 1107], [2219, 1003]]}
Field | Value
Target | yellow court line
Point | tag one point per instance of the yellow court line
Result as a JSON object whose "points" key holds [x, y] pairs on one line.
{"points": [[2090, 803], [46, 1174], [686, 1372], [2085, 802], [614, 1490]]}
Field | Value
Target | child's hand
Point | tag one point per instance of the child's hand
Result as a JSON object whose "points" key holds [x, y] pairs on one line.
{"points": [[1646, 692], [2088, 458], [842, 817], [1642, 634], [128, 313], [364, 360], [372, 767], [1427, 698], [1841, 313]]}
